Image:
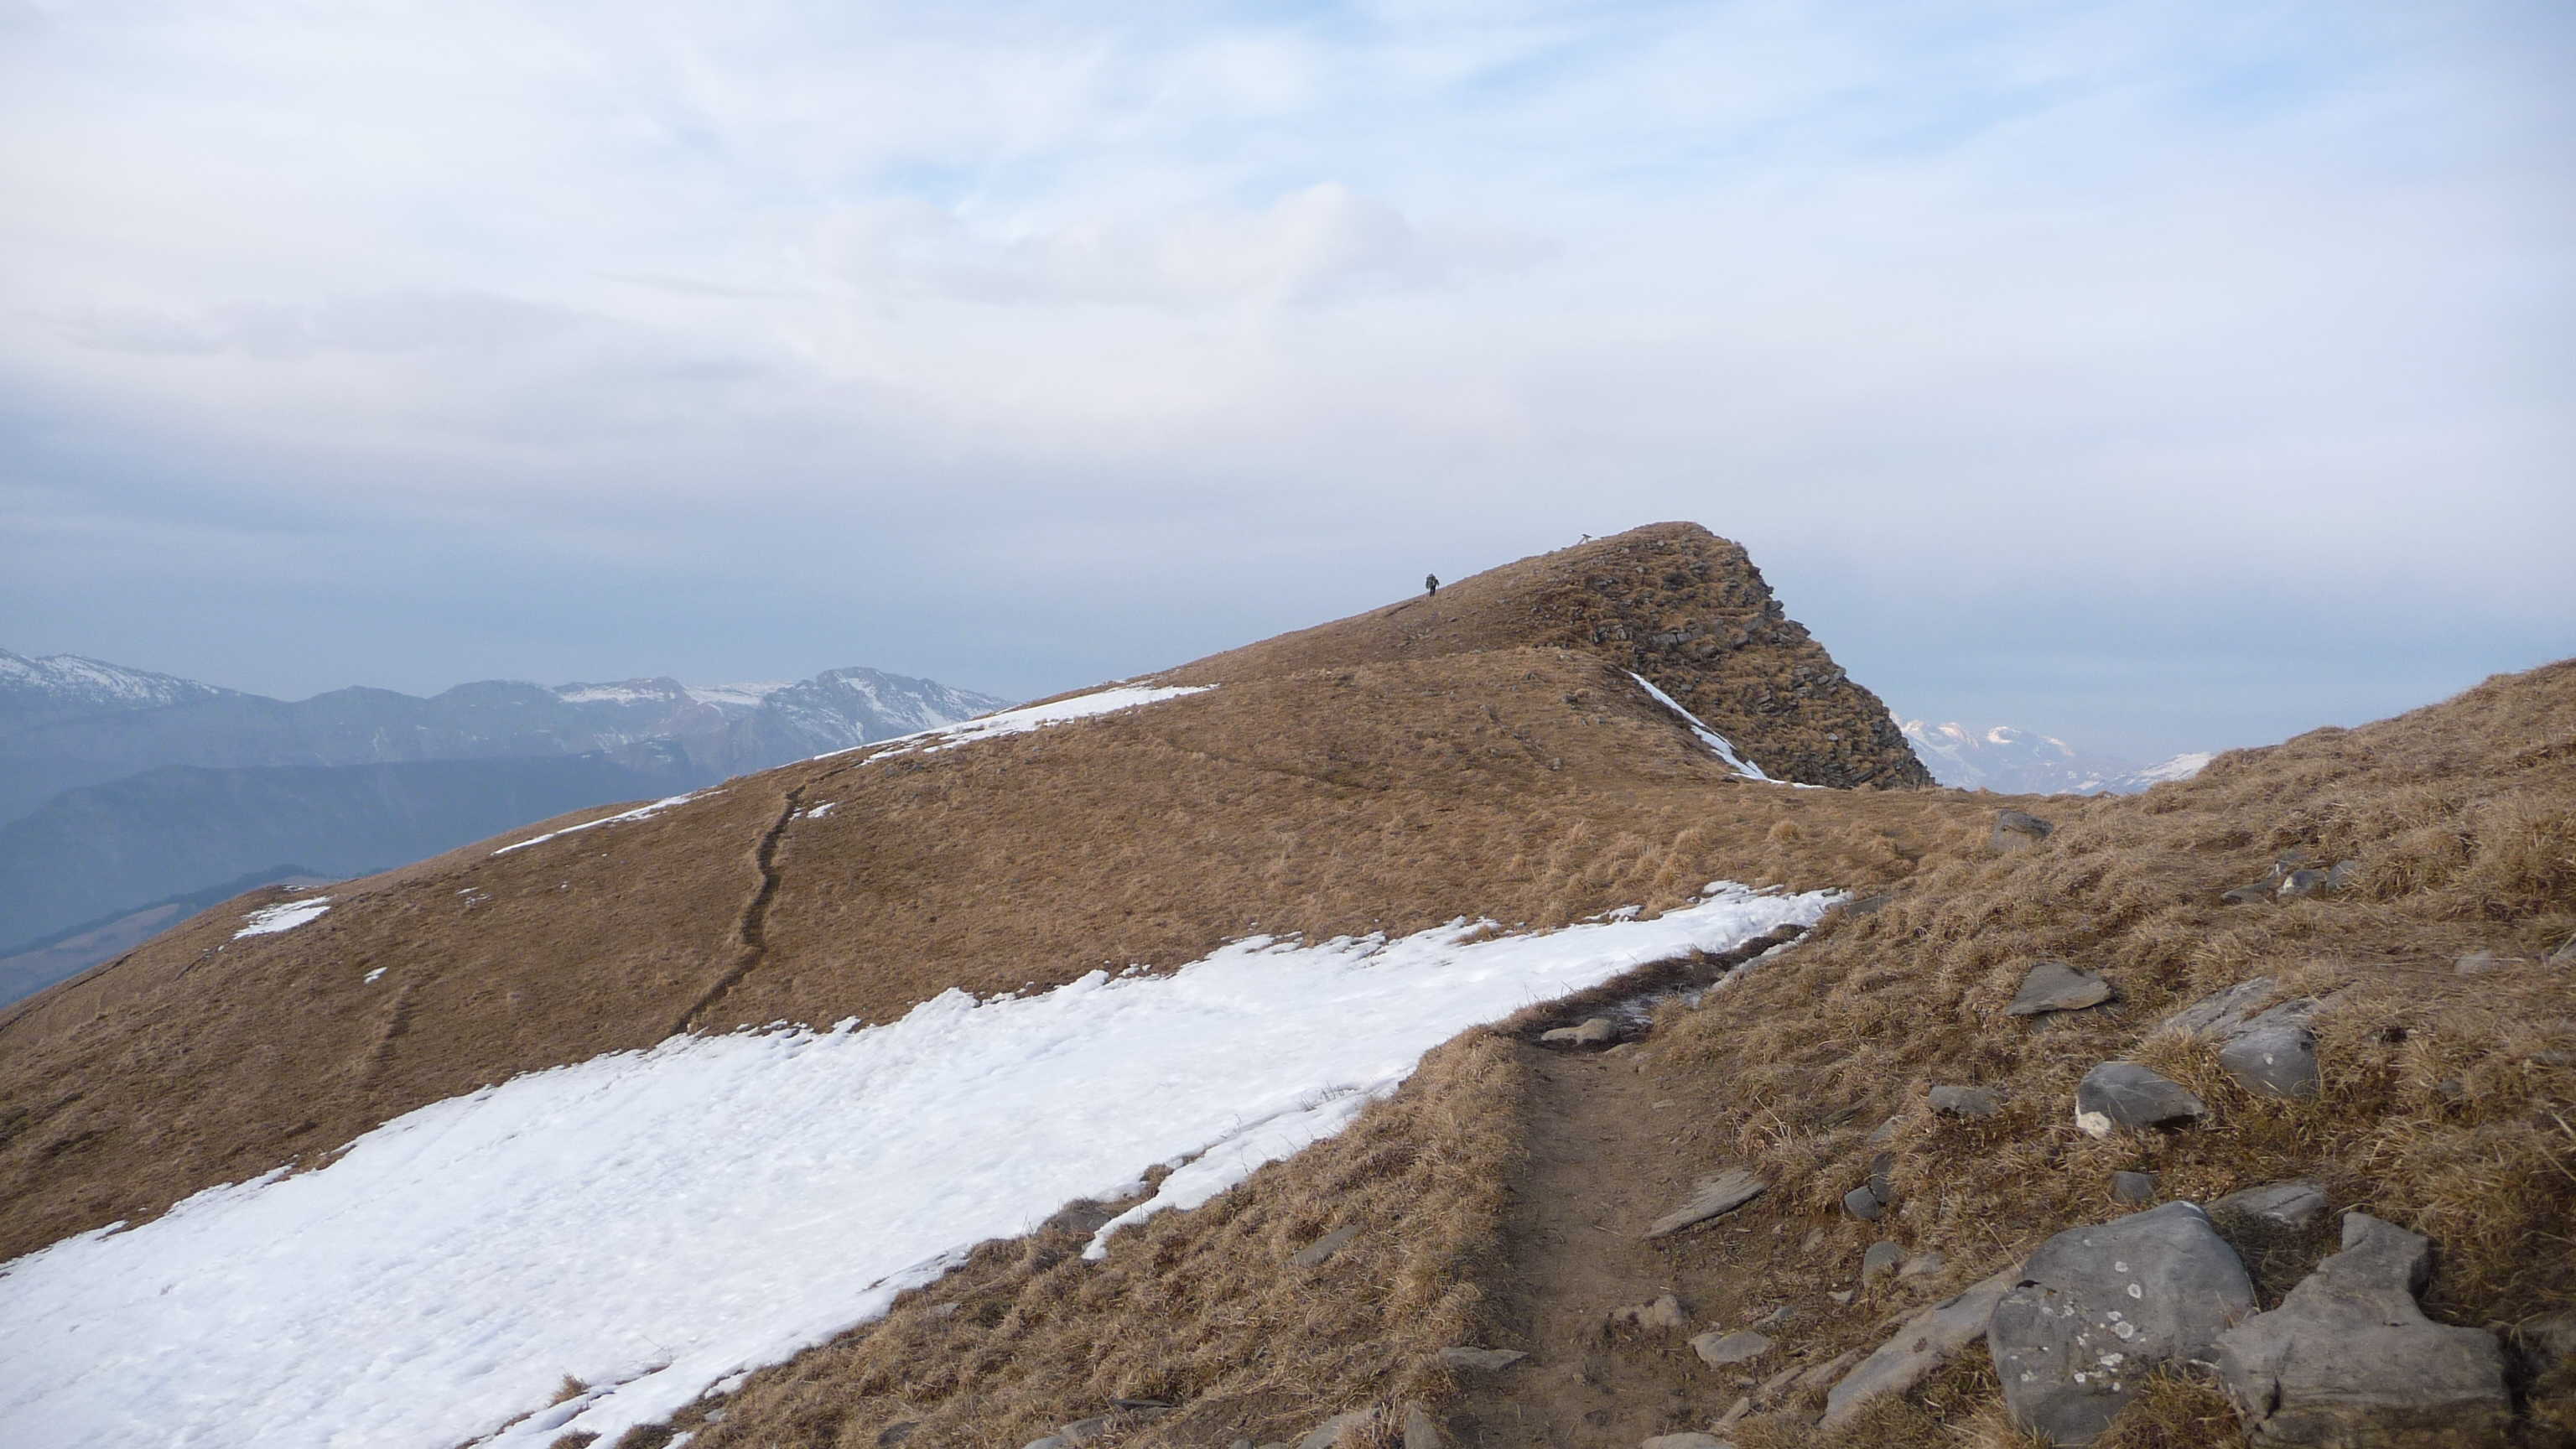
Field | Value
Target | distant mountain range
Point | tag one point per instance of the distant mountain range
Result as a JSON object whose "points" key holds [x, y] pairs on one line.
{"points": [[2013, 761], [122, 788]]}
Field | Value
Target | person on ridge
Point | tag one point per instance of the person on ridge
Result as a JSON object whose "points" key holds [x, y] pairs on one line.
{"points": [[1430, 585]]}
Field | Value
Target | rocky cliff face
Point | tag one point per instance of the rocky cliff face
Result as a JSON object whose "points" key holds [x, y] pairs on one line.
{"points": [[1670, 601]]}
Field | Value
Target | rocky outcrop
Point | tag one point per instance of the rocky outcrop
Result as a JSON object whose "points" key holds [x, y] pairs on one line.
{"points": [[2349, 1360], [2097, 1309]]}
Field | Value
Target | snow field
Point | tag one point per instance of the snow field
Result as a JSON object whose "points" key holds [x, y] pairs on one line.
{"points": [[269, 920], [640, 812], [1024, 719], [654, 1222]]}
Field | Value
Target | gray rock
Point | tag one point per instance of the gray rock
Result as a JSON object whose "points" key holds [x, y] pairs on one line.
{"points": [[1863, 1204], [2133, 1187], [1083, 1431], [2350, 1359], [1720, 1349], [1922, 1266], [1421, 1431], [1822, 1376], [2220, 1014], [2056, 986], [2291, 1207], [897, 1433], [2125, 1094], [1692, 1440], [1928, 1340], [1664, 1314], [1715, 1196], [1485, 1360], [1049, 1442], [1595, 1031], [1315, 1253], [1881, 1183], [1329, 1433], [2300, 884], [2097, 1309], [2342, 874], [1742, 1406], [1880, 1260], [2273, 1061], [2017, 831], [1966, 1101], [2249, 895]]}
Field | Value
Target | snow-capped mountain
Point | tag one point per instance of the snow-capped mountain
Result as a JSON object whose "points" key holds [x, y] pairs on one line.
{"points": [[2014, 761], [60, 686]]}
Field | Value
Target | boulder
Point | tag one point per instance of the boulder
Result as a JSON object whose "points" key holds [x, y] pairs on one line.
{"points": [[1863, 1204], [1716, 1195], [2278, 1060], [1718, 1349], [1880, 1260], [2290, 1207], [1664, 1314], [1315, 1253], [1595, 1031], [2349, 1359], [2097, 1309], [1966, 1101], [1485, 1360], [2299, 884], [1928, 1340], [2133, 1187], [2017, 831], [2125, 1094], [2056, 986]]}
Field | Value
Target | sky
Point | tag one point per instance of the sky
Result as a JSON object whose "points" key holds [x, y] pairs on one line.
{"points": [[2158, 376]]}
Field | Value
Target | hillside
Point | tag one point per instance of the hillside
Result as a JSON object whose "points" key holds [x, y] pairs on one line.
{"points": [[1469, 788]]}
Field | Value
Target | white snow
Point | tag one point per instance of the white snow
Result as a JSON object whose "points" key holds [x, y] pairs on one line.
{"points": [[738, 696], [640, 812], [1024, 719], [2180, 767], [655, 1222], [269, 920], [1716, 742], [819, 811], [641, 692], [372, 976]]}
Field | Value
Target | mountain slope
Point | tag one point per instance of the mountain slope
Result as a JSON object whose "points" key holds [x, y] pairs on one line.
{"points": [[64, 686], [2017, 762]]}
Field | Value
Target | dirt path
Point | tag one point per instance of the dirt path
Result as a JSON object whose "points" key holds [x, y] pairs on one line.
{"points": [[1602, 1166]]}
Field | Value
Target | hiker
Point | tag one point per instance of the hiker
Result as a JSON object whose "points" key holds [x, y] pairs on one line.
{"points": [[1430, 585]]}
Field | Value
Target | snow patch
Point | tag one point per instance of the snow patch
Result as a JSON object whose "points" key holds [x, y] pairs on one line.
{"points": [[1716, 742], [640, 812], [269, 920], [1022, 720], [656, 1222]]}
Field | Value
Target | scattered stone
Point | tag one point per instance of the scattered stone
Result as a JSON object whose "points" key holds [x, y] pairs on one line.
{"points": [[2300, 884], [2274, 1061], [1313, 1254], [1781, 1314], [1488, 1360], [1928, 1340], [1863, 1204], [1966, 1101], [1881, 1185], [1885, 1132], [1778, 1384], [2341, 876], [1822, 1376], [2133, 1187], [2285, 863], [2097, 1309], [2056, 986], [1421, 1431], [1714, 1197], [1082, 1431], [1734, 1411], [1665, 1313], [1329, 1433], [2248, 895], [1881, 1259], [2350, 1359], [1049, 1442], [2126, 1094], [1720, 1349], [1594, 1031], [2017, 831], [1692, 1440], [1922, 1265]]}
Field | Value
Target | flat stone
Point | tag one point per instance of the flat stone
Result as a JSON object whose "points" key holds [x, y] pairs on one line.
{"points": [[1863, 1204], [2249, 895], [1329, 1433], [1083, 1431], [1720, 1349], [2133, 1187], [1715, 1196], [1926, 1341], [2125, 1094], [1421, 1431], [1484, 1360], [2015, 830], [2341, 875], [2274, 1061], [1315, 1253], [1664, 1314], [2097, 1309], [1822, 1376], [2300, 884], [2056, 986], [1595, 1031], [2350, 1359], [1880, 1260], [1966, 1101], [1049, 1442]]}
